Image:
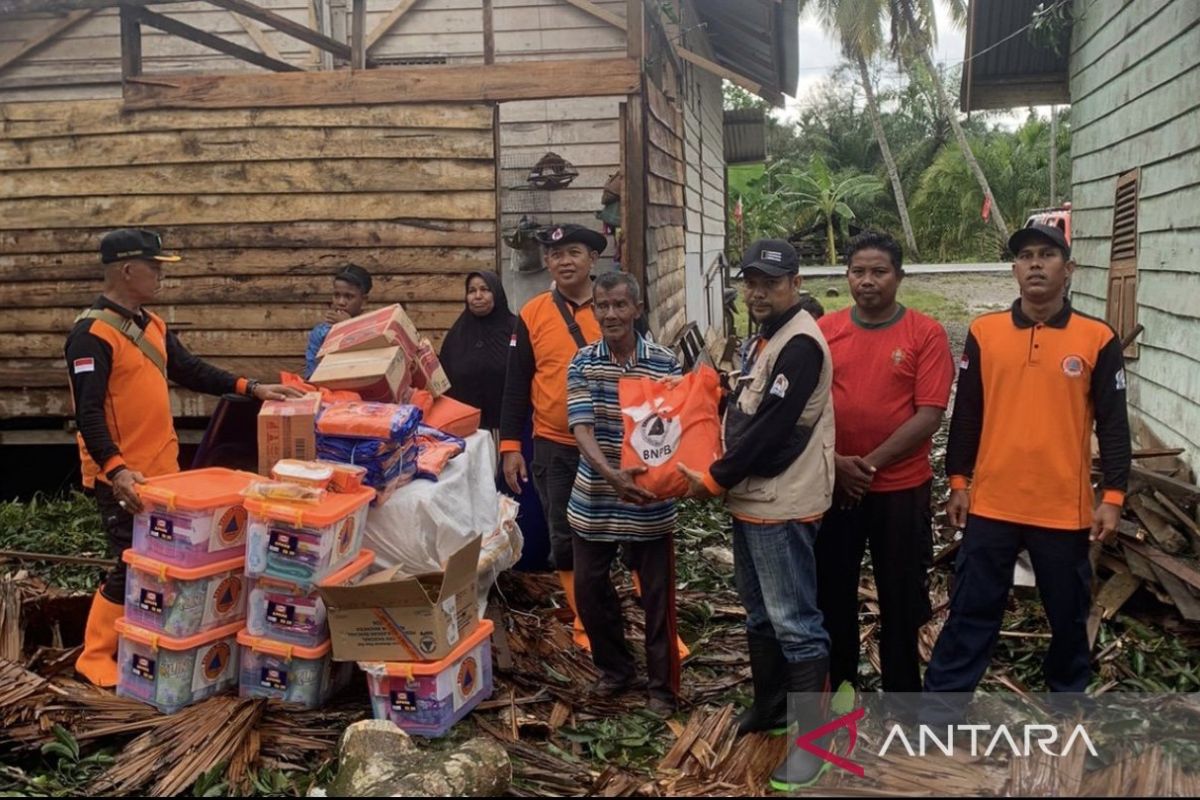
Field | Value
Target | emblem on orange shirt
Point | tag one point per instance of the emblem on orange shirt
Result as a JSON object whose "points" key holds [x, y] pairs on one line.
{"points": [[1072, 366]]}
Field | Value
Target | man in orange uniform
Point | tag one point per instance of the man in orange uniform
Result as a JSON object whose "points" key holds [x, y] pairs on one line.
{"points": [[1033, 383], [119, 359]]}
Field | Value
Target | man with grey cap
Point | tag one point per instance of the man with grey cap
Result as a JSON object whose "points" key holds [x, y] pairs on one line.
{"points": [[777, 479]]}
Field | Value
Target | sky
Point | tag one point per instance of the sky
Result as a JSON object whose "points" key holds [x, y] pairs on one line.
{"points": [[820, 55]]}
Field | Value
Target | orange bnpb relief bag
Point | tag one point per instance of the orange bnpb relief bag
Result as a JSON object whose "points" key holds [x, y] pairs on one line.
{"points": [[666, 427]]}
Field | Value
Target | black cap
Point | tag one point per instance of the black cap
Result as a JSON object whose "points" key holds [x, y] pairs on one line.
{"points": [[1050, 233], [133, 243], [554, 235], [773, 257]]}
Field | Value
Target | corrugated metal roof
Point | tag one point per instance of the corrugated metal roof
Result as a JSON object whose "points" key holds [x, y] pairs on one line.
{"points": [[745, 136], [1004, 67], [756, 38]]}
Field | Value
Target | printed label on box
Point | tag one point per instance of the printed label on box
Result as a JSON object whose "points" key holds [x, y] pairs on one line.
{"points": [[214, 664], [273, 678], [450, 606], [285, 544], [404, 701], [224, 598], [143, 667], [162, 528], [150, 601], [281, 614]]}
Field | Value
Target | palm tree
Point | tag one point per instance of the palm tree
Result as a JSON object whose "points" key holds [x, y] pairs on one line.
{"points": [[914, 31], [818, 192], [858, 24]]}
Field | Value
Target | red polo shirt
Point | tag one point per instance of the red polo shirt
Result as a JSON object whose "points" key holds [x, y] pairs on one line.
{"points": [[881, 375]]}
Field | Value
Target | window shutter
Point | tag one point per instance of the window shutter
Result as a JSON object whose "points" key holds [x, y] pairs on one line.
{"points": [[1122, 268]]}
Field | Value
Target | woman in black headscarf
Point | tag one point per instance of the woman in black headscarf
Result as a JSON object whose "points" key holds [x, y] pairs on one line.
{"points": [[475, 351]]}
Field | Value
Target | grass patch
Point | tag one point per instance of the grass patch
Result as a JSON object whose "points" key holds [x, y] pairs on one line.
{"points": [[918, 297], [67, 526]]}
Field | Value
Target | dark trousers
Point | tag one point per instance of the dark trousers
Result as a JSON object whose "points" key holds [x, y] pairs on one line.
{"points": [[554, 467], [897, 526], [600, 609], [983, 576], [118, 528]]}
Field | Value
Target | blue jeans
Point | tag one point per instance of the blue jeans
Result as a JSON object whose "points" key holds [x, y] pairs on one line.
{"points": [[776, 575]]}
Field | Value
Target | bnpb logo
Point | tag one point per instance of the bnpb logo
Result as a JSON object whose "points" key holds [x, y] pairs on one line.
{"points": [[231, 528], [346, 536], [468, 677], [228, 592], [215, 660]]}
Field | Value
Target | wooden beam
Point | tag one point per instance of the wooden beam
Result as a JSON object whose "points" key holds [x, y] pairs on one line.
{"points": [[633, 193], [285, 25], [489, 34], [131, 44], [714, 68], [387, 23], [600, 13], [32, 6], [185, 31], [256, 33], [545, 80], [358, 34], [43, 36], [635, 31]]}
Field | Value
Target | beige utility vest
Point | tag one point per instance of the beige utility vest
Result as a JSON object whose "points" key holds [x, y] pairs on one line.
{"points": [[805, 488]]}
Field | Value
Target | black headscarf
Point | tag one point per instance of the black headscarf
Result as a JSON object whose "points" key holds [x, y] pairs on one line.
{"points": [[475, 353]]}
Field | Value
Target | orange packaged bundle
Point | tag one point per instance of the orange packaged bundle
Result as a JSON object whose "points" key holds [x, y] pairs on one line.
{"points": [[388, 421], [346, 478], [667, 426], [434, 450]]}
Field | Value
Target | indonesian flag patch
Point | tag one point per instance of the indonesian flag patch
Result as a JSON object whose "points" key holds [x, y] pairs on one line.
{"points": [[83, 365]]}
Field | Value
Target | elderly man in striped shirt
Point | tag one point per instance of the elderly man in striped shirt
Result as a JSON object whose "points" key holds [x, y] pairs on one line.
{"points": [[607, 509]]}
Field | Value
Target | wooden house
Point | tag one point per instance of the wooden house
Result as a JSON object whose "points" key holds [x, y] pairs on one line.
{"points": [[271, 141]]}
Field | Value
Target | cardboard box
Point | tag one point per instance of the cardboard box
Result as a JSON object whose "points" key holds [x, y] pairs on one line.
{"points": [[391, 616], [380, 374], [427, 372], [286, 429], [387, 327]]}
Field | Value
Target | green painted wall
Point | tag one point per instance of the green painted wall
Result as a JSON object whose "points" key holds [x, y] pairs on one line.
{"points": [[1135, 102]]}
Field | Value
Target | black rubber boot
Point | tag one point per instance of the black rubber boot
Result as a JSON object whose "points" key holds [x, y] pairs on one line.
{"points": [[800, 768], [768, 673]]}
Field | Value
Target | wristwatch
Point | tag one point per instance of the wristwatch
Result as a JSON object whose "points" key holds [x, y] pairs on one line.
{"points": [[251, 385]]}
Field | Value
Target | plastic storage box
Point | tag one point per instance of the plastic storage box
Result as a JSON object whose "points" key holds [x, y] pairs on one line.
{"points": [[294, 613], [305, 676], [427, 698], [305, 543], [183, 601], [170, 673], [193, 518]]}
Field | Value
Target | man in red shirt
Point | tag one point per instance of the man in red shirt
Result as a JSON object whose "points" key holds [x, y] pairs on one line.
{"points": [[892, 371]]}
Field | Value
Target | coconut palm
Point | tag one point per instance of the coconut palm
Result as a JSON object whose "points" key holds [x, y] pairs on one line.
{"points": [[914, 32], [858, 25], [816, 192]]}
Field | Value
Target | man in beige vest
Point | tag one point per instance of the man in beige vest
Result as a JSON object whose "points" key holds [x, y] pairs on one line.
{"points": [[777, 479]]}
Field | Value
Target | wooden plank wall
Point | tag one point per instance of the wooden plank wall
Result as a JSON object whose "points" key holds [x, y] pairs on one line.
{"points": [[665, 234], [1135, 93], [264, 205], [705, 196]]}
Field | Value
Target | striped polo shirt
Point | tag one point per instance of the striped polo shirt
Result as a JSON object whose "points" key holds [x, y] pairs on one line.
{"points": [[594, 511]]}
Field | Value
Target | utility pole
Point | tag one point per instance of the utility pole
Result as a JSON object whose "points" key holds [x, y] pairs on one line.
{"points": [[1053, 156]]}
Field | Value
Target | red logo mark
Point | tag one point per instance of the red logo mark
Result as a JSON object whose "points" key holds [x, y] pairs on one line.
{"points": [[808, 741]]}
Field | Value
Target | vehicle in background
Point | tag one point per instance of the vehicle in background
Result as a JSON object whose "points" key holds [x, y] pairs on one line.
{"points": [[1059, 217]]}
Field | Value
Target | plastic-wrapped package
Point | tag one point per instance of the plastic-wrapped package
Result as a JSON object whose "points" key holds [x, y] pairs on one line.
{"points": [[306, 473], [388, 421], [346, 477], [284, 490], [388, 464], [434, 451], [500, 550]]}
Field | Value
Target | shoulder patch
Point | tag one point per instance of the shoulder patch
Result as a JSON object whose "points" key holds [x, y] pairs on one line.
{"points": [[80, 365], [780, 387], [1119, 381]]}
